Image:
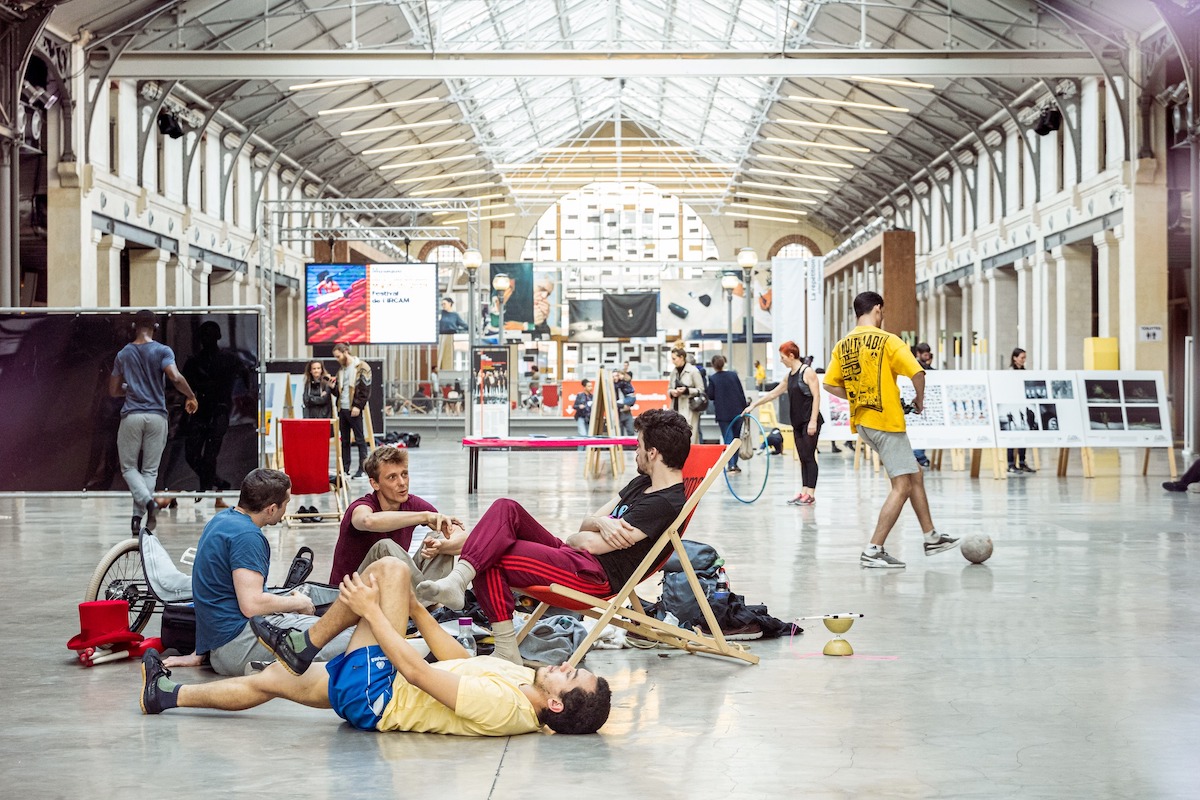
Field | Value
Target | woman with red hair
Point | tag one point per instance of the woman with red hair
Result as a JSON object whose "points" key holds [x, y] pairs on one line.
{"points": [[804, 393]]}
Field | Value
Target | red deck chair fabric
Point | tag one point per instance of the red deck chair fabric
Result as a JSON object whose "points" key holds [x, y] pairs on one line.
{"points": [[700, 459], [306, 454]]}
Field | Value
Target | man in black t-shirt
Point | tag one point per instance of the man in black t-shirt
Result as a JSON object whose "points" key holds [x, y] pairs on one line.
{"points": [[508, 547]]}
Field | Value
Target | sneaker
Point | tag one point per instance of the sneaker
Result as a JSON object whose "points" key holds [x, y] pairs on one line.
{"points": [[359, 474], [151, 515], [735, 470], [1027, 468], [1175, 486], [881, 560], [924, 462], [152, 670], [278, 641], [805, 500], [795, 501], [944, 542], [1013, 469], [745, 633]]}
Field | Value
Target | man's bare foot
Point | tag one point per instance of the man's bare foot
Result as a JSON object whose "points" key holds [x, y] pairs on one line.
{"points": [[193, 660]]}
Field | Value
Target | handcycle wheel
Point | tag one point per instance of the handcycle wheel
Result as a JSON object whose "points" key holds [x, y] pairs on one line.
{"points": [[119, 576]]}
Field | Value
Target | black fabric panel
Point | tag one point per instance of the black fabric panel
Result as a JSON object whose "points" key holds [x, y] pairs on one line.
{"points": [[627, 316]]}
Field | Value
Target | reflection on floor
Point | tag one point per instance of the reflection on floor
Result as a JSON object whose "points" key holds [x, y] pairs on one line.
{"points": [[1062, 667]]}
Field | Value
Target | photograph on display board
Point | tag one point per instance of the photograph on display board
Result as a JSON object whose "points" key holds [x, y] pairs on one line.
{"points": [[1062, 390], [1105, 418], [1143, 418], [836, 412], [1036, 390], [585, 320], [934, 412], [1021, 417], [1037, 408], [1102, 391], [967, 404], [1139, 392]]}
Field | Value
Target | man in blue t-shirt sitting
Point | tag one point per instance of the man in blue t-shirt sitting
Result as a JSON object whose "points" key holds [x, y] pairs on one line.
{"points": [[138, 377], [229, 581]]}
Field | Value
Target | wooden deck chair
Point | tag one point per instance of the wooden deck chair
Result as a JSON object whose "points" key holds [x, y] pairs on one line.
{"points": [[705, 465], [304, 456]]}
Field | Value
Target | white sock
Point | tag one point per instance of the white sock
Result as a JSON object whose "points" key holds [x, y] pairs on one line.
{"points": [[872, 549], [932, 536], [506, 642], [451, 590]]}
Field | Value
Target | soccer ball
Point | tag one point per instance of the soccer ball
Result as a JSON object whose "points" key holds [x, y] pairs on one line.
{"points": [[976, 549]]}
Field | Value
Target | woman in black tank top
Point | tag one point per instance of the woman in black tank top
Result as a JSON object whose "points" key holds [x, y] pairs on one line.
{"points": [[804, 393]]}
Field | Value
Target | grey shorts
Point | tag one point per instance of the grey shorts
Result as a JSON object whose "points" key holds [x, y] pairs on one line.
{"points": [[894, 450]]}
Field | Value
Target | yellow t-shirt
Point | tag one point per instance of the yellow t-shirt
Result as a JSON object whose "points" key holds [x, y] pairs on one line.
{"points": [[490, 702], [867, 362]]}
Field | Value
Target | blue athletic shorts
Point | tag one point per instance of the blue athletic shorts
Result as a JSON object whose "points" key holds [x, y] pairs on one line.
{"points": [[360, 686]]}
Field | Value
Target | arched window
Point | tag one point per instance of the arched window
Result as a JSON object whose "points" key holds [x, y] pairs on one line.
{"points": [[620, 222], [447, 254], [794, 246]]}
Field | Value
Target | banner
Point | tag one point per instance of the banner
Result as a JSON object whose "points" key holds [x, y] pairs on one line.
{"points": [[490, 411], [517, 299], [699, 305], [650, 394], [585, 320], [797, 304], [630, 316]]}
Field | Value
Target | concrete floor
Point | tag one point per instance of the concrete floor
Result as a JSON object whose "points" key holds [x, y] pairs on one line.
{"points": [[1059, 669]]}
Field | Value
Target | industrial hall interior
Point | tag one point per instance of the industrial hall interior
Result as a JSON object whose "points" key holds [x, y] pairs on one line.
{"points": [[807, 382]]}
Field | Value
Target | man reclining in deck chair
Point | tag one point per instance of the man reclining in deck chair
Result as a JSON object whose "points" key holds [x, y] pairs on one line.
{"points": [[508, 547], [381, 683]]}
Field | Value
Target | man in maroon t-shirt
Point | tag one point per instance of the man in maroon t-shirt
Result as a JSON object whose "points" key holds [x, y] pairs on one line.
{"points": [[381, 523]]}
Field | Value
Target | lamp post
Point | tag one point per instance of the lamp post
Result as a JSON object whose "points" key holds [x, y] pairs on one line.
{"points": [[747, 259], [472, 261], [501, 284], [729, 282]]}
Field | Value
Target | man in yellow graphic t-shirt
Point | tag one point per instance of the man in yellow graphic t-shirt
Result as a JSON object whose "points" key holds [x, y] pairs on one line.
{"points": [[863, 370], [381, 683]]}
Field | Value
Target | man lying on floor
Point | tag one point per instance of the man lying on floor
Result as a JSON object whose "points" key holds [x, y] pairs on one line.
{"points": [[382, 683]]}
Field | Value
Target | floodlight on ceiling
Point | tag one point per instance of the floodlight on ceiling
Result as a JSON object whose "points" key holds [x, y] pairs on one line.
{"points": [[769, 208], [828, 126], [378, 106], [1048, 121], [758, 216], [823, 101]]}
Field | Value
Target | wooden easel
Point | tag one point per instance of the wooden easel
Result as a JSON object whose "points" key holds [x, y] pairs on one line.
{"points": [[604, 422]]}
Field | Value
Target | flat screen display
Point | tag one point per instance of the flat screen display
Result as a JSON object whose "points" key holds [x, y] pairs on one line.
{"points": [[61, 423], [371, 303]]}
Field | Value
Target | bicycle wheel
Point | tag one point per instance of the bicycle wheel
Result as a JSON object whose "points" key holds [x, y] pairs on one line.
{"points": [[119, 576]]}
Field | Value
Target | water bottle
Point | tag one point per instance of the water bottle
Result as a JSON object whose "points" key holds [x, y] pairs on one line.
{"points": [[465, 637], [722, 590]]}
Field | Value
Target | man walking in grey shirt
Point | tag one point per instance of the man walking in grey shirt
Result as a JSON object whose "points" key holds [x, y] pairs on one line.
{"points": [[138, 376]]}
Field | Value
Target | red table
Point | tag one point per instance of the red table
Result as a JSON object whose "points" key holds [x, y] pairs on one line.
{"points": [[475, 444]]}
